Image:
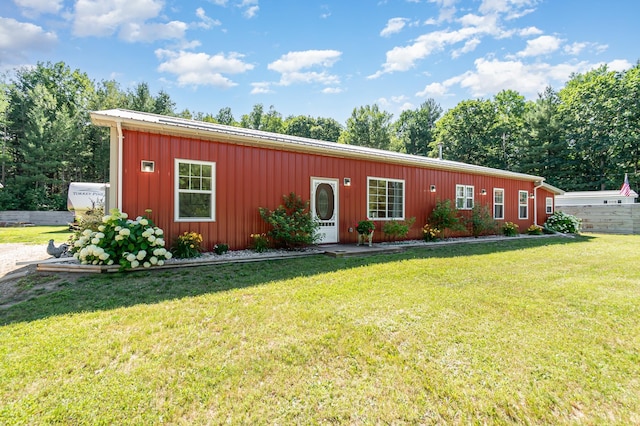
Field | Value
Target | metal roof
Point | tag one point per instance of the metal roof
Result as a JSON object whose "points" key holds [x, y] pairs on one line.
{"points": [[597, 194], [135, 120]]}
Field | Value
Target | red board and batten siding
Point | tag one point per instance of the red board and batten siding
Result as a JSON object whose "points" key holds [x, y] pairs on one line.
{"points": [[248, 177]]}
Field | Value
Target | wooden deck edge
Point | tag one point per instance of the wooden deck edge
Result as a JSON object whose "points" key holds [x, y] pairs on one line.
{"points": [[99, 269]]}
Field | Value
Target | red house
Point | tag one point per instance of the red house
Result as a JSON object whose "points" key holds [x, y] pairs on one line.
{"points": [[211, 179]]}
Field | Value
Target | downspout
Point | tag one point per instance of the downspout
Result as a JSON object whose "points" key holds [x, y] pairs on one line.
{"points": [[535, 203], [119, 186]]}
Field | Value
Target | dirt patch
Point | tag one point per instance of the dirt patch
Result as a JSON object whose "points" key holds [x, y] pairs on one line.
{"points": [[19, 282]]}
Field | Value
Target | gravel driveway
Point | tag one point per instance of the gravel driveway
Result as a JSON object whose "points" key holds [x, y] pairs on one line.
{"points": [[12, 253]]}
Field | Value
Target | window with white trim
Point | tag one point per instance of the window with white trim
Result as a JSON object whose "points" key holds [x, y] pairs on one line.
{"points": [[464, 197], [549, 205], [385, 198], [195, 196], [523, 205], [498, 203]]}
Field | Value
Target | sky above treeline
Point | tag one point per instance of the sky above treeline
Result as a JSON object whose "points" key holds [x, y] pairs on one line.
{"points": [[323, 58]]}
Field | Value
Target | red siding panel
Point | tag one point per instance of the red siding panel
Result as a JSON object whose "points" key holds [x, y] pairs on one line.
{"points": [[249, 177]]}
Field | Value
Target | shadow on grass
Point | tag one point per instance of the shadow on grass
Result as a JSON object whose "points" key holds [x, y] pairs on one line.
{"points": [[110, 291]]}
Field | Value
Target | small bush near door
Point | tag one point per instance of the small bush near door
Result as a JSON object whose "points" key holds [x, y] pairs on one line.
{"points": [[291, 223]]}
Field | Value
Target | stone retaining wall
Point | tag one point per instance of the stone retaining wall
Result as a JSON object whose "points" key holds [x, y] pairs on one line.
{"points": [[8, 218]]}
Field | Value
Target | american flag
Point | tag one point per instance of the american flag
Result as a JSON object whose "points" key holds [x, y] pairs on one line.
{"points": [[626, 189]]}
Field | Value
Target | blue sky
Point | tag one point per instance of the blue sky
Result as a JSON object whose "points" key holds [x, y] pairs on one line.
{"points": [[323, 58]]}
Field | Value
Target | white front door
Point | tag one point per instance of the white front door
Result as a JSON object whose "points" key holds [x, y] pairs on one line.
{"points": [[324, 208]]}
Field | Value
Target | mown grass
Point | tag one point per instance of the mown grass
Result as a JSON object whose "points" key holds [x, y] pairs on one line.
{"points": [[34, 234], [543, 331]]}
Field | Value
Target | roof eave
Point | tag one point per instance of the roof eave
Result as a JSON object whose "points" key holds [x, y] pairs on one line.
{"points": [[216, 132]]}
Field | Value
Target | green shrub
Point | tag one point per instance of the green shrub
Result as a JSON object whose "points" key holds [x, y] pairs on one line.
{"points": [[444, 216], [510, 229], [92, 219], [220, 248], [121, 241], [365, 227], [481, 221], [398, 229], [187, 245], [563, 223], [291, 223]]}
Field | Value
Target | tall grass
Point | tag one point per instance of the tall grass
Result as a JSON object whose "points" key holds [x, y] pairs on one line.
{"points": [[540, 331]]}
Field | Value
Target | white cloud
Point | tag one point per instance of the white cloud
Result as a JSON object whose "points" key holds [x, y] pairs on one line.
{"points": [[251, 12], [18, 38], [404, 58], [39, 6], [196, 69], [507, 7], [394, 25], [219, 2], [134, 32], [447, 11], [492, 76], [261, 88], [293, 65], [433, 89], [577, 47], [619, 65], [469, 46], [331, 90], [541, 46], [295, 61], [529, 31], [205, 21], [250, 7], [128, 18]]}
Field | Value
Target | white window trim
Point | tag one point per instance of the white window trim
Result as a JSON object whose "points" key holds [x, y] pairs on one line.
{"points": [[404, 192], [466, 198], [549, 205], [498, 204], [526, 193], [177, 191]]}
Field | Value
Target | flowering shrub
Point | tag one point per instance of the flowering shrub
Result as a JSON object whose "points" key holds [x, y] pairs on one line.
{"points": [[510, 229], [187, 245], [430, 233], [220, 248], [534, 230], [259, 242], [564, 223], [122, 241]]}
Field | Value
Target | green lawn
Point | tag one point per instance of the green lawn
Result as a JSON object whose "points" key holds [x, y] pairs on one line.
{"points": [[34, 234], [528, 331]]}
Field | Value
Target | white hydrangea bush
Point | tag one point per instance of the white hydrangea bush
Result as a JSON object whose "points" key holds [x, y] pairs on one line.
{"points": [[121, 241], [564, 223]]}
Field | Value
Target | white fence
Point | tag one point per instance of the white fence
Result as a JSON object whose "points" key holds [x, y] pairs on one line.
{"points": [[37, 218], [607, 219]]}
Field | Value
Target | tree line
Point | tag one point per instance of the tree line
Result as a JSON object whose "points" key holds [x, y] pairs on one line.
{"points": [[585, 136]]}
